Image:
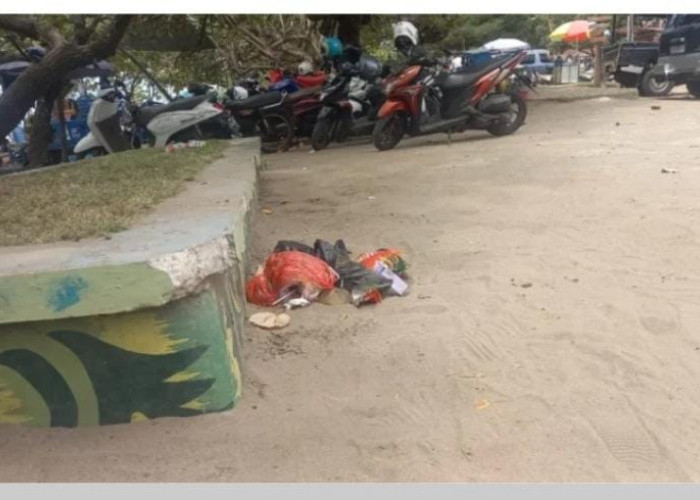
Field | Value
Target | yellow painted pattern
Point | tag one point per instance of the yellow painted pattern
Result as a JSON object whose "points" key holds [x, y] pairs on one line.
{"points": [[9, 406], [182, 377], [19, 402], [137, 416], [195, 404], [65, 361], [140, 332]]}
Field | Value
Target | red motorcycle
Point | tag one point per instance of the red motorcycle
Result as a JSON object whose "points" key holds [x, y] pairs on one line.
{"points": [[424, 100]]}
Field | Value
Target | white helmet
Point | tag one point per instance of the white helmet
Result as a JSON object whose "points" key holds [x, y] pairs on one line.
{"points": [[305, 68], [406, 29], [239, 93]]}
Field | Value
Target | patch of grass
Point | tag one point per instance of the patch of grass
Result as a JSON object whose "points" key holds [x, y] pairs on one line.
{"points": [[95, 197]]}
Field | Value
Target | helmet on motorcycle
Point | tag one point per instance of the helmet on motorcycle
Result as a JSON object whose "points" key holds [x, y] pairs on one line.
{"points": [[237, 93], [305, 68], [369, 68], [352, 54], [405, 35], [333, 46]]}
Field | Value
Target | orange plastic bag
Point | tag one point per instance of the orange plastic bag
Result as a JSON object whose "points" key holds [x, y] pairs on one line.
{"points": [[286, 271], [389, 257]]}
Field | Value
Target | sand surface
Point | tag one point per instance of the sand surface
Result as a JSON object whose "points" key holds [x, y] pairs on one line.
{"points": [[552, 332]]}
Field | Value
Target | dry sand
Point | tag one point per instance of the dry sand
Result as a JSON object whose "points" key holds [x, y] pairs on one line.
{"points": [[551, 333]]}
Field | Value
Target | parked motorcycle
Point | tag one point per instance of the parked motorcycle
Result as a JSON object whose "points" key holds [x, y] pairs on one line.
{"points": [[350, 104], [277, 116], [176, 121], [424, 100], [259, 115]]}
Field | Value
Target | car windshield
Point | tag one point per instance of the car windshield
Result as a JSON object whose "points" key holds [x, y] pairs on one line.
{"points": [[683, 20]]}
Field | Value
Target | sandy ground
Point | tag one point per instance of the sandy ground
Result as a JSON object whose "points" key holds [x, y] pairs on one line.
{"points": [[551, 333]]}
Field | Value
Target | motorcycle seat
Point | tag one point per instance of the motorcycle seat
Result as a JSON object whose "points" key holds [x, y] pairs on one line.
{"points": [[303, 93], [147, 113], [256, 101], [467, 76]]}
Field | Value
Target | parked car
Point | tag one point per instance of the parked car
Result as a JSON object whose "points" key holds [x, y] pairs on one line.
{"points": [[538, 61], [631, 64], [679, 53]]}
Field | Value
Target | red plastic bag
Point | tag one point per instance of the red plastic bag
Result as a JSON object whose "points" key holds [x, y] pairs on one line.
{"points": [[258, 290], [285, 271]]}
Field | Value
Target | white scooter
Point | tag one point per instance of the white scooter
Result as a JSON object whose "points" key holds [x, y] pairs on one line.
{"points": [[177, 120]]}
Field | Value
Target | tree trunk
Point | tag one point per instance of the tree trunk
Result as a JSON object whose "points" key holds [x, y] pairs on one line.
{"points": [[349, 28], [598, 71], [48, 73], [60, 110], [40, 133], [36, 81]]}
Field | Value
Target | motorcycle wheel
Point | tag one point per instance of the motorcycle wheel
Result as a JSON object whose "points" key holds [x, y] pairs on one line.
{"points": [[516, 118], [276, 133], [388, 131], [322, 134], [343, 129]]}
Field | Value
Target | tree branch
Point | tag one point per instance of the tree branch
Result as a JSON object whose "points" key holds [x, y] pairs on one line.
{"points": [[22, 25], [105, 45], [80, 31]]}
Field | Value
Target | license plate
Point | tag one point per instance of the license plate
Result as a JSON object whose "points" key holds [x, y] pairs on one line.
{"points": [[677, 49]]}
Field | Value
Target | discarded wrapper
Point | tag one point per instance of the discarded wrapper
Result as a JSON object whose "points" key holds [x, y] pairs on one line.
{"points": [[295, 303], [269, 321], [398, 286]]}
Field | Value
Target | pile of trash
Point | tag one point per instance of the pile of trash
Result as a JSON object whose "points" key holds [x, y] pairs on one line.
{"points": [[295, 275], [177, 146]]}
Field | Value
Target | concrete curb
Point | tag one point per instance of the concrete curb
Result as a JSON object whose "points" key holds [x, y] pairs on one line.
{"points": [[143, 325]]}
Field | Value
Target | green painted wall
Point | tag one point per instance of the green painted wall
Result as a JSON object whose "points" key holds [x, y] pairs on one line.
{"points": [[81, 292], [177, 360]]}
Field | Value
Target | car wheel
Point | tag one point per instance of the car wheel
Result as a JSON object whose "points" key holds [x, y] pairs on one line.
{"points": [[694, 88], [653, 86]]}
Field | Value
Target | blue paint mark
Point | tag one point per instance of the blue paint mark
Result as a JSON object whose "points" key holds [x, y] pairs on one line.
{"points": [[68, 292]]}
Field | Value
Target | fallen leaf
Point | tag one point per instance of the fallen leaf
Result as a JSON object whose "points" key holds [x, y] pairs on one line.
{"points": [[482, 404], [267, 211]]}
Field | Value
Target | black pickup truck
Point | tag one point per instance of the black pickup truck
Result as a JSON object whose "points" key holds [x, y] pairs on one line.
{"points": [[679, 53], [631, 63]]}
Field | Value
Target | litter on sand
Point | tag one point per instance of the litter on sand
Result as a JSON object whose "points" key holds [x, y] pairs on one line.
{"points": [[295, 275], [270, 321], [669, 171], [482, 404], [176, 146]]}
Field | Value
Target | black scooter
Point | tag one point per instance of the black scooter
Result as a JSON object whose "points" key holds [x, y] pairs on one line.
{"points": [[345, 114]]}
